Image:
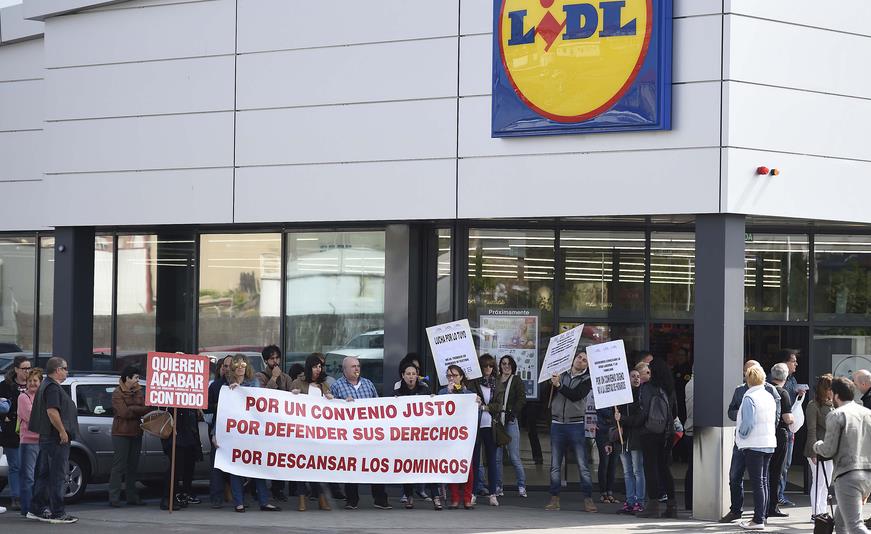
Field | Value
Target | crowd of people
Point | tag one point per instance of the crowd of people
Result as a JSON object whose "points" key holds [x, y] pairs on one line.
{"points": [[640, 435]]}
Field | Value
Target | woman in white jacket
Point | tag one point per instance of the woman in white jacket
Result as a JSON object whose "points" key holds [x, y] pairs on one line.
{"points": [[756, 437]]}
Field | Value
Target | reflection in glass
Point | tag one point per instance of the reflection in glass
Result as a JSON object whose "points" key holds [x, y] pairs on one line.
{"points": [[335, 299], [672, 274], [593, 333], [444, 313], [842, 289], [240, 291], [775, 277], [46, 293], [17, 279], [104, 246], [604, 274], [137, 294], [841, 350]]}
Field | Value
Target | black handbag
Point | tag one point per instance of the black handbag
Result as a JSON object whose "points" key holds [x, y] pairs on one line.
{"points": [[500, 435], [823, 523]]}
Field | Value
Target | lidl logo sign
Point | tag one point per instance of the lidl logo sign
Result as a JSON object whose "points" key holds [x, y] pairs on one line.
{"points": [[570, 66]]}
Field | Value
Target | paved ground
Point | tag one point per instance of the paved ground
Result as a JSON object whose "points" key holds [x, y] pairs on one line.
{"points": [[515, 515]]}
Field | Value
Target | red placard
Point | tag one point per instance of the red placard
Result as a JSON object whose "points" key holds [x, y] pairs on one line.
{"points": [[177, 380]]}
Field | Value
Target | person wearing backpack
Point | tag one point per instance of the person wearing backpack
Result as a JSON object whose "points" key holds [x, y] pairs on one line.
{"points": [[658, 410]]}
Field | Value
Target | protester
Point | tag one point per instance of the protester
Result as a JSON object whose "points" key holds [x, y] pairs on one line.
{"points": [[128, 405], [628, 416], [738, 463], [862, 379], [28, 448], [409, 385], [570, 390], [779, 373], [486, 388], [607, 470], [55, 418], [457, 386], [217, 478], [657, 400], [243, 375], [188, 451], [790, 358], [313, 383], [689, 431], [818, 409], [222, 370], [755, 436], [273, 377], [414, 359], [14, 384], [510, 382], [848, 444], [643, 369], [349, 387]]}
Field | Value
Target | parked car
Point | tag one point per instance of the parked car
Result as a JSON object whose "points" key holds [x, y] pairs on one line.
{"points": [[91, 452], [368, 347]]}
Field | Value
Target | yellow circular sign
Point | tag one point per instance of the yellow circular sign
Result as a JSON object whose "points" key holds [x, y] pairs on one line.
{"points": [[570, 60]]}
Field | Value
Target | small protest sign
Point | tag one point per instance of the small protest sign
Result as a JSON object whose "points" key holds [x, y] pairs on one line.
{"points": [[610, 374], [452, 344], [560, 353]]}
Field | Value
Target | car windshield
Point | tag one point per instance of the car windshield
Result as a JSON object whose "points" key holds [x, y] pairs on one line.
{"points": [[366, 341]]}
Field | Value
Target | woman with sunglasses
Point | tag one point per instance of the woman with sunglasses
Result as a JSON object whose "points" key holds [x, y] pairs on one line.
{"points": [[510, 385]]}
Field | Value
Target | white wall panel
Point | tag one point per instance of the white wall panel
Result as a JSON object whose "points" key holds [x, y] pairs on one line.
{"points": [[333, 134], [476, 16], [154, 87], [771, 118], [125, 198], [696, 123], [697, 46], [359, 191], [844, 15], [646, 182], [808, 187], [127, 35], [282, 25], [21, 155], [21, 105], [21, 61], [14, 27], [161, 142], [362, 73], [24, 206], [692, 8], [772, 53], [45, 8]]}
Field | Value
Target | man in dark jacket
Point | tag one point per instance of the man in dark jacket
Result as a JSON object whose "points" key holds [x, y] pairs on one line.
{"points": [[55, 418], [779, 374], [862, 379], [569, 403]]}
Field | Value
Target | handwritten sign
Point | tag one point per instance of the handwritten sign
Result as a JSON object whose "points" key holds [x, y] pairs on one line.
{"points": [[452, 344], [610, 374], [560, 353]]}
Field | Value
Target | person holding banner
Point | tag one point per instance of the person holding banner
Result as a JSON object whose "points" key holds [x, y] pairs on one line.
{"points": [[568, 407], [658, 408], [410, 384], [349, 387], [513, 405], [313, 383], [628, 416], [485, 388], [243, 375], [457, 386]]}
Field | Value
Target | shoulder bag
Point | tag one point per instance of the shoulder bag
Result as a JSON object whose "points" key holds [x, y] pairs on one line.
{"points": [[500, 435], [823, 523], [158, 423]]}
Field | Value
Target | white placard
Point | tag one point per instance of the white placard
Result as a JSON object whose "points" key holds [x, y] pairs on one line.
{"points": [[610, 374], [452, 344], [275, 435], [560, 353]]}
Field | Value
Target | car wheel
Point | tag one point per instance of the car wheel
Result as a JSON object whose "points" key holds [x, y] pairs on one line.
{"points": [[77, 478]]}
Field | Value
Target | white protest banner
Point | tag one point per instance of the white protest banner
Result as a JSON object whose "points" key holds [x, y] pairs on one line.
{"points": [[610, 374], [560, 353], [177, 380], [276, 435], [452, 344]]}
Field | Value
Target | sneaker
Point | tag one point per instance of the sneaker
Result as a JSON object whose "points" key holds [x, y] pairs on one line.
{"points": [[423, 495], [626, 509], [31, 515], [493, 501], [65, 518], [663, 498], [637, 508], [499, 492], [730, 516], [522, 491], [403, 499], [383, 506], [2, 509], [437, 503], [750, 525], [351, 506], [474, 499], [786, 502]]}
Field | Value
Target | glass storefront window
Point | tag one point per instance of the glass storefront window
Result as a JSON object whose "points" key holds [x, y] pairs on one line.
{"points": [[841, 350], [672, 275], [444, 313], [511, 277], [335, 299], [842, 286], [104, 246], [593, 333], [240, 292], [46, 293], [775, 277], [17, 283], [604, 274]]}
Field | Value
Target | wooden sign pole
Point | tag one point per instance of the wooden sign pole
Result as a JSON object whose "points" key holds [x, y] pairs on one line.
{"points": [[172, 460]]}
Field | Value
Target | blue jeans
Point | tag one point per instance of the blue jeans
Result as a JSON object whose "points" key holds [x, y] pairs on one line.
{"points": [[513, 447], [28, 452], [12, 458], [633, 476], [736, 480], [238, 492], [216, 483], [757, 468], [563, 436], [790, 442], [485, 438], [52, 466]]}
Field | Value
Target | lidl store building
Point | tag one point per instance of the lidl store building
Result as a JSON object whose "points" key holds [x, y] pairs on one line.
{"points": [[218, 175]]}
